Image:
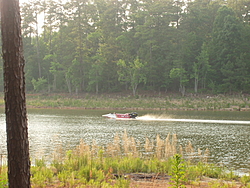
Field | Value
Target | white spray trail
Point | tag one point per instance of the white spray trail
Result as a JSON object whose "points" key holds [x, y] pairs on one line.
{"points": [[164, 118]]}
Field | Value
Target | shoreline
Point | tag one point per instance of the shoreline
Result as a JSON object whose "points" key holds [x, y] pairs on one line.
{"points": [[137, 108], [123, 101]]}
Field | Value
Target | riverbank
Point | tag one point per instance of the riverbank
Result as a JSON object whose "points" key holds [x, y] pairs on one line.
{"points": [[123, 101]]}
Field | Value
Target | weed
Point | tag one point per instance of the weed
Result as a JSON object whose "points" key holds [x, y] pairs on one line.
{"points": [[122, 183], [220, 184], [245, 179], [41, 176], [178, 171], [40, 162], [3, 180]]}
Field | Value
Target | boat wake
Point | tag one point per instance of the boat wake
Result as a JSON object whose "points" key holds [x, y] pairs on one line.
{"points": [[161, 118]]}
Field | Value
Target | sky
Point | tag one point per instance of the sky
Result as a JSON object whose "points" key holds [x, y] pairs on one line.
{"points": [[23, 1]]}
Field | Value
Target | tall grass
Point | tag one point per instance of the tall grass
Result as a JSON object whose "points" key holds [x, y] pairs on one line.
{"points": [[108, 166]]}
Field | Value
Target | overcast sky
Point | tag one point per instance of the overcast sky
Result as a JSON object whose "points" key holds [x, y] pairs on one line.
{"points": [[22, 1]]}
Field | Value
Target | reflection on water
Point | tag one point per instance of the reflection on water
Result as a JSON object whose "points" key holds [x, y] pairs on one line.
{"points": [[51, 129]]}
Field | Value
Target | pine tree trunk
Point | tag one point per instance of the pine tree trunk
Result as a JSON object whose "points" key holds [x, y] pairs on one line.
{"points": [[196, 80], [15, 101], [38, 50]]}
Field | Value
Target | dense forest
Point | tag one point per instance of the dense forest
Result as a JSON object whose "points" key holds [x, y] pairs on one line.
{"points": [[156, 45]]}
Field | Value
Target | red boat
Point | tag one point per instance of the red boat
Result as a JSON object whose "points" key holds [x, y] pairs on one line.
{"points": [[132, 115]]}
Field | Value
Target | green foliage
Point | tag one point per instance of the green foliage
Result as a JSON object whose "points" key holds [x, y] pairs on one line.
{"points": [[245, 179], [178, 171], [40, 84], [122, 183], [40, 162], [228, 50], [41, 175], [201, 169], [80, 44], [3, 183], [3, 177], [181, 74], [132, 73]]}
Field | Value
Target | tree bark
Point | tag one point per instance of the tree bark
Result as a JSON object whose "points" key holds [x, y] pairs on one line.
{"points": [[38, 49], [196, 81], [14, 95]]}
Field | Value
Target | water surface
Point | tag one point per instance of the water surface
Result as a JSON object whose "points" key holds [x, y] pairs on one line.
{"points": [[228, 143]]}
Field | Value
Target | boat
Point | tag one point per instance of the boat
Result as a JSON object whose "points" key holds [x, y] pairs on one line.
{"points": [[131, 115]]}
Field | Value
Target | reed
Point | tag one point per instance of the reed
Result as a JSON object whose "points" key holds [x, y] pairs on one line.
{"points": [[114, 148], [190, 151], [148, 146], [159, 147], [95, 166]]}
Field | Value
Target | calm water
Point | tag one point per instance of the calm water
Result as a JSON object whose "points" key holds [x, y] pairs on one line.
{"points": [[229, 143]]}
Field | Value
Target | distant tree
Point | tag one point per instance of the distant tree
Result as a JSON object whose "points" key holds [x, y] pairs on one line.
{"points": [[132, 73], [56, 69], [201, 68], [96, 71], [89, 37], [39, 85], [180, 73], [73, 76], [227, 49], [14, 90]]}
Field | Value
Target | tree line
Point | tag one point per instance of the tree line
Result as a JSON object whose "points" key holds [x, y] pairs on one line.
{"points": [[161, 45]]}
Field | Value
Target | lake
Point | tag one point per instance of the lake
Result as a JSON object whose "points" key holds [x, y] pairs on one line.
{"points": [[228, 142]]}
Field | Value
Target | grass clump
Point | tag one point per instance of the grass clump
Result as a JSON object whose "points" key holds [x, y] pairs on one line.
{"points": [[245, 180]]}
